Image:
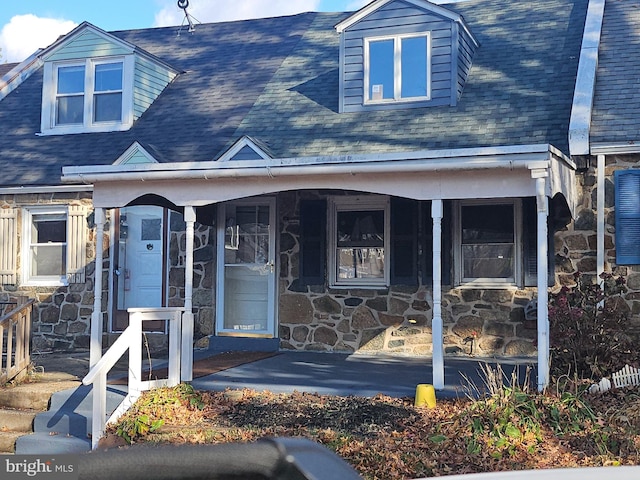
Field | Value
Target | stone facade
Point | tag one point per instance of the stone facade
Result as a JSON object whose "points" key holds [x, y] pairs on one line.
{"points": [[396, 320], [62, 314]]}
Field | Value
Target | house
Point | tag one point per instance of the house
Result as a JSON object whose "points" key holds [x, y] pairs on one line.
{"points": [[401, 179]]}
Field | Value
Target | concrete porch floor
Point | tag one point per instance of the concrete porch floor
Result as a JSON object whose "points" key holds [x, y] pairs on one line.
{"points": [[324, 373]]}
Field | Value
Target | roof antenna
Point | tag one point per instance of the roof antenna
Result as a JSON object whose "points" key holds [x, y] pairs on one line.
{"points": [[184, 4]]}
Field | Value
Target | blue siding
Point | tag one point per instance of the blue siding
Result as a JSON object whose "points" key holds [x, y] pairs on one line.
{"points": [[150, 80], [87, 44], [398, 18], [466, 50]]}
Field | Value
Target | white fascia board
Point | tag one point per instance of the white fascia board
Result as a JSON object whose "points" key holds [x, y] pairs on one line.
{"points": [[373, 6], [18, 74], [616, 148], [515, 156], [581, 110]]}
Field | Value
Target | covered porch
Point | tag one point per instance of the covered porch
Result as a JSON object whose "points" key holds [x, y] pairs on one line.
{"points": [[539, 172]]}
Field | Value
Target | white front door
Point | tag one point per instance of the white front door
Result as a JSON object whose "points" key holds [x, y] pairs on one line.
{"points": [[245, 291], [139, 272]]}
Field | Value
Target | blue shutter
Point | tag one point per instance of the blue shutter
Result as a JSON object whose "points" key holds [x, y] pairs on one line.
{"points": [[313, 221], [627, 183], [530, 243], [404, 241]]}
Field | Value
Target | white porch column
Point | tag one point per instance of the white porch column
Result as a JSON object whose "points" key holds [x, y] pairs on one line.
{"points": [[436, 323], [186, 356], [95, 351], [543, 266]]}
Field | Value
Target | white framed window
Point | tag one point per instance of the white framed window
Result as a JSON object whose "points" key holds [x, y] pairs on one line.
{"points": [[359, 241], [397, 68], [87, 95], [488, 242], [44, 248]]}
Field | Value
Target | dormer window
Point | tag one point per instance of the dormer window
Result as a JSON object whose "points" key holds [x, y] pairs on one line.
{"points": [[86, 96], [397, 68]]}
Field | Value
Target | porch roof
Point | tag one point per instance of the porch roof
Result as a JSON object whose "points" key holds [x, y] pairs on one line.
{"points": [[489, 172]]}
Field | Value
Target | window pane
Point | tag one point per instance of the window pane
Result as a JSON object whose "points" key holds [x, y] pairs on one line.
{"points": [[48, 260], [488, 261], [69, 110], [381, 70], [361, 228], [487, 224], [151, 229], [414, 67], [360, 263], [71, 79], [108, 77], [108, 107], [48, 229]]}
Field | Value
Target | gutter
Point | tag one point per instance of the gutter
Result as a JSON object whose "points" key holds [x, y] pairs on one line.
{"points": [[532, 157], [582, 108]]}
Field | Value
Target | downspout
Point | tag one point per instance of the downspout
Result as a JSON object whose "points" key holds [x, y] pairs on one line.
{"points": [[600, 215]]}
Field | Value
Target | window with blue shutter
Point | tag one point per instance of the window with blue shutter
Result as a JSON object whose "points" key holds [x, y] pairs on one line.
{"points": [[627, 184]]}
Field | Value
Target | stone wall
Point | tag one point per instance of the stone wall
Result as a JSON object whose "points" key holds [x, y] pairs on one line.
{"points": [[61, 314], [395, 320], [576, 246]]}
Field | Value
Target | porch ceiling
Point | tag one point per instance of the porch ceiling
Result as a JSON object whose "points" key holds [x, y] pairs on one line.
{"points": [[445, 174]]}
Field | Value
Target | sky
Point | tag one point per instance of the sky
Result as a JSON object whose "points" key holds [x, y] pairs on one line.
{"points": [[27, 25]]}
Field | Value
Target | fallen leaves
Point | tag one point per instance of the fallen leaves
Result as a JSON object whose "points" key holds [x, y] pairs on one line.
{"points": [[388, 438]]}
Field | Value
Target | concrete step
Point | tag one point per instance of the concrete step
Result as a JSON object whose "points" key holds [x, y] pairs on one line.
{"points": [[16, 420], [8, 441], [80, 398], [66, 426], [44, 443], [36, 395]]}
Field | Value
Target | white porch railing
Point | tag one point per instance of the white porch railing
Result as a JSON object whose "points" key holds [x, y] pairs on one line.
{"points": [[131, 339], [15, 338]]}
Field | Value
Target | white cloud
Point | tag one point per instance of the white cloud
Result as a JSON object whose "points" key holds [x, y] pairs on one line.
{"points": [[206, 11], [24, 34]]}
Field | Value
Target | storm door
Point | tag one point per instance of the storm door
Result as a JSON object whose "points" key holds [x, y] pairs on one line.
{"points": [[245, 299]]}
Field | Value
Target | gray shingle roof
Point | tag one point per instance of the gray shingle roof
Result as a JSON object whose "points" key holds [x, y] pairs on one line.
{"points": [[276, 80], [616, 109]]}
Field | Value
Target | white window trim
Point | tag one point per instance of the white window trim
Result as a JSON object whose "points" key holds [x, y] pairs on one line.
{"points": [[397, 67], [49, 94], [27, 279], [517, 281], [348, 203]]}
